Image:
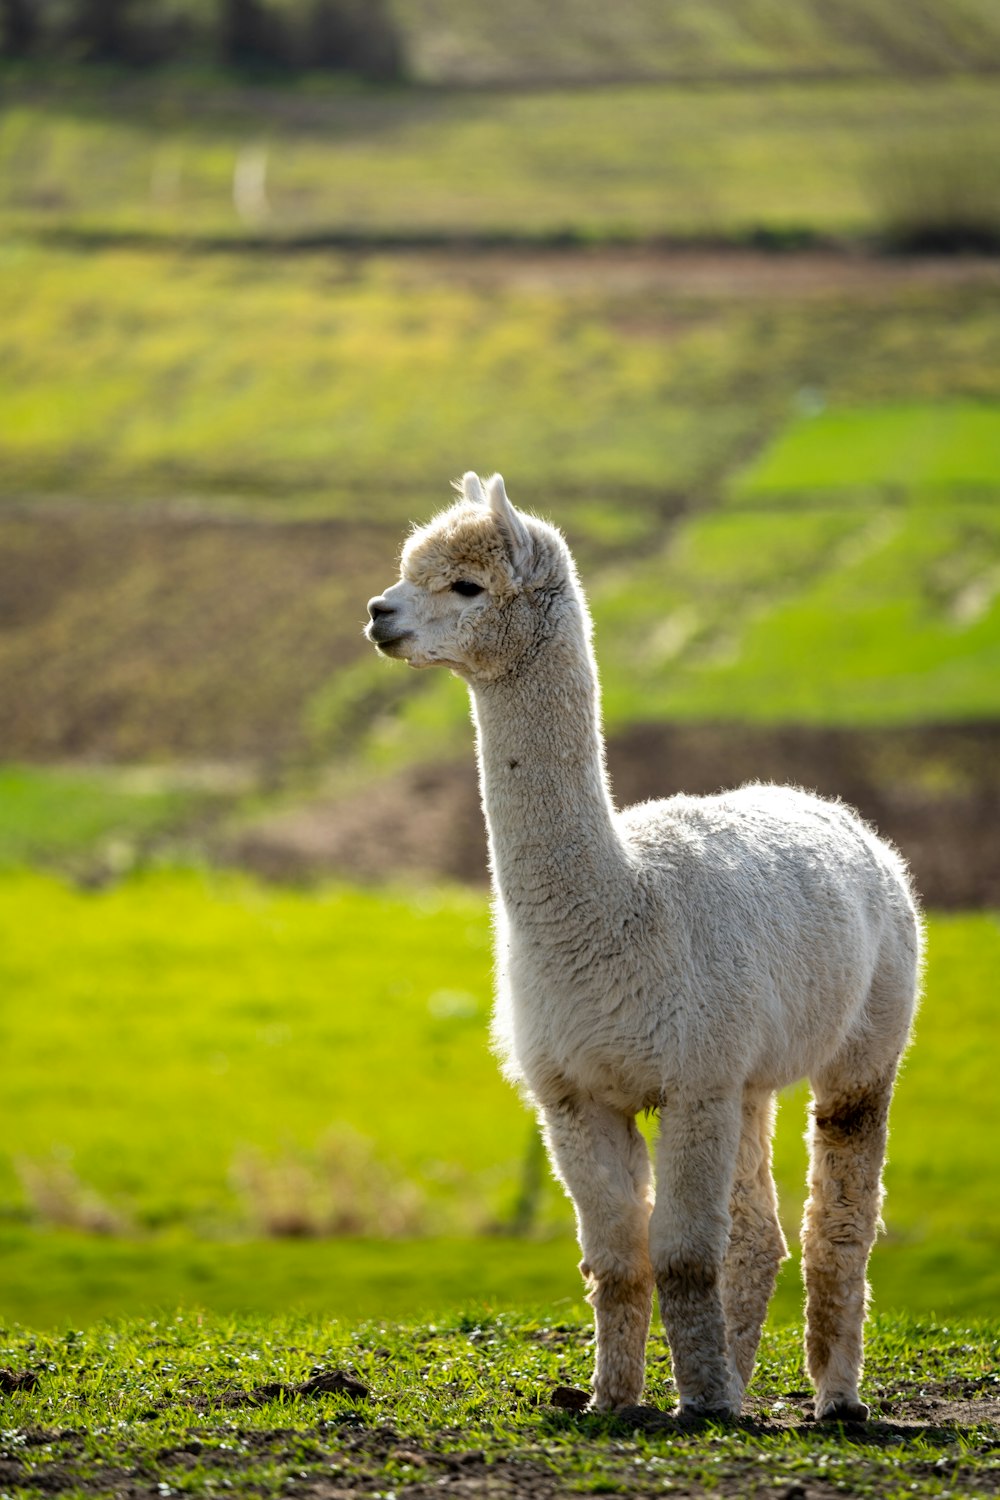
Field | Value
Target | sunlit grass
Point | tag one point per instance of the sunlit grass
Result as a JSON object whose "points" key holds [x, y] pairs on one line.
{"points": [[926, 447], [126, 373], [205, 1403], [167, 1025], [856, 615]]}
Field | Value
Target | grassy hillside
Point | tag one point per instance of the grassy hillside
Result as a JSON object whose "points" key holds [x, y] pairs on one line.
{"points": [[463, 43], [670, 412], [195, 1056], [466, 42], [745, 466], [188, 158], [468, 1403]]}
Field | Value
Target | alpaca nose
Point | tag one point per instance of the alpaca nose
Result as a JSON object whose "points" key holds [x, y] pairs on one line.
{"points": [[378, 607]]}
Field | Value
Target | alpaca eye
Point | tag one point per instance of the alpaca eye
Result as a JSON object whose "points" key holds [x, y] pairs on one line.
{"points": [[466, 588]]}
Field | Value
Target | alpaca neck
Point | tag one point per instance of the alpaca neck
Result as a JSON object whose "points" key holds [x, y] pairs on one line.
{"points": [[544, 787]]}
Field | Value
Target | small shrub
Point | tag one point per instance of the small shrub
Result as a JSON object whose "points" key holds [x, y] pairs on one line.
{"points": [[357, 36], [58, 1199], [938, 194], [18, 27]]}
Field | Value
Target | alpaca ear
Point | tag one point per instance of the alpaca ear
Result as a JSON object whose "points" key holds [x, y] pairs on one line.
{"points": [[471, 488], [510, 525]]}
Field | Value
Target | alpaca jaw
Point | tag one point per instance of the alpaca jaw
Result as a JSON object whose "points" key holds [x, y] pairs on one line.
{"points": [[421, 626]]}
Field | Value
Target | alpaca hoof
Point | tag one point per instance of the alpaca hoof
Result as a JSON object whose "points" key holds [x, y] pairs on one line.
{"points": [[701, 1411], [842, 1409], [612, 1403]]}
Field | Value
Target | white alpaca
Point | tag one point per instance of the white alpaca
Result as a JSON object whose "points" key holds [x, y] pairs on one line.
{"points": [[688, 956]]}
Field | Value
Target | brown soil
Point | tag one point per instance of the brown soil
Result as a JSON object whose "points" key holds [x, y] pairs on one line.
{"points": [[934, 791], [706, 271], [136, 635]]}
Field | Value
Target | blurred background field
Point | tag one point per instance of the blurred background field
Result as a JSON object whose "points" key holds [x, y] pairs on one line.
{"points": [[206, 1061], [718, 291]]}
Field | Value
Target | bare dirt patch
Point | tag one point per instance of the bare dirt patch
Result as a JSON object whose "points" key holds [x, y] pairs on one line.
{"points": [[704, 270], [933, 790], [143, 635]]}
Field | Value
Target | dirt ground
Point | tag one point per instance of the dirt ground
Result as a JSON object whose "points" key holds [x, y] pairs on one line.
{"points": [[934, 791], [955, 1425], [705, 270], [172, 634]]}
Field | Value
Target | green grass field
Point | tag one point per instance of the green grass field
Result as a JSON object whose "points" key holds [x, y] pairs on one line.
{"points": [[51, 816], [700, 38], [781, 480], [929, 448], [196, 1056], [164, 157], [194, 1404]]}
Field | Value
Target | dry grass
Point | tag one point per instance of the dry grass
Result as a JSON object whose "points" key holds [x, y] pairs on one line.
{"points": [[58, 1199], [340, 1188]]}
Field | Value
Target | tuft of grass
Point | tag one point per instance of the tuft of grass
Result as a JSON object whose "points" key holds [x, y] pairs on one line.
{"points": [[57, 1199]]}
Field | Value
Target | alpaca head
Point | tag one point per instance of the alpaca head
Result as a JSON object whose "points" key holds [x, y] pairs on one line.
{"points": [[482, 587]]}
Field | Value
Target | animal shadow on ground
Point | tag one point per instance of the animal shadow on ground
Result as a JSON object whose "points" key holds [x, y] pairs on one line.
{"points": [[938, 1418]]}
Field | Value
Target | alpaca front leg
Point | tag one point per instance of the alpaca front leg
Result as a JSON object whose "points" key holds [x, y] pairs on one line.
{"points": [[603, 1162], [695, 1164], [847, 1139]]}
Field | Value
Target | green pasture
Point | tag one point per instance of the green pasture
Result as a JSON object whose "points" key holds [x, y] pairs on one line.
{"points": [[67, 1278], [198, 1404], [192, 157], [784, 503], [930, 447], [876, 616], [361, 386], [64, 813], [194, 1058]]}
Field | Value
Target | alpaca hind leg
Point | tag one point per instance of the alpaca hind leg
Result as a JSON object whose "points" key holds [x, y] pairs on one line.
{"points": [[602, 1159], [689, 1233], [847, 1137], [756, 1244]]}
